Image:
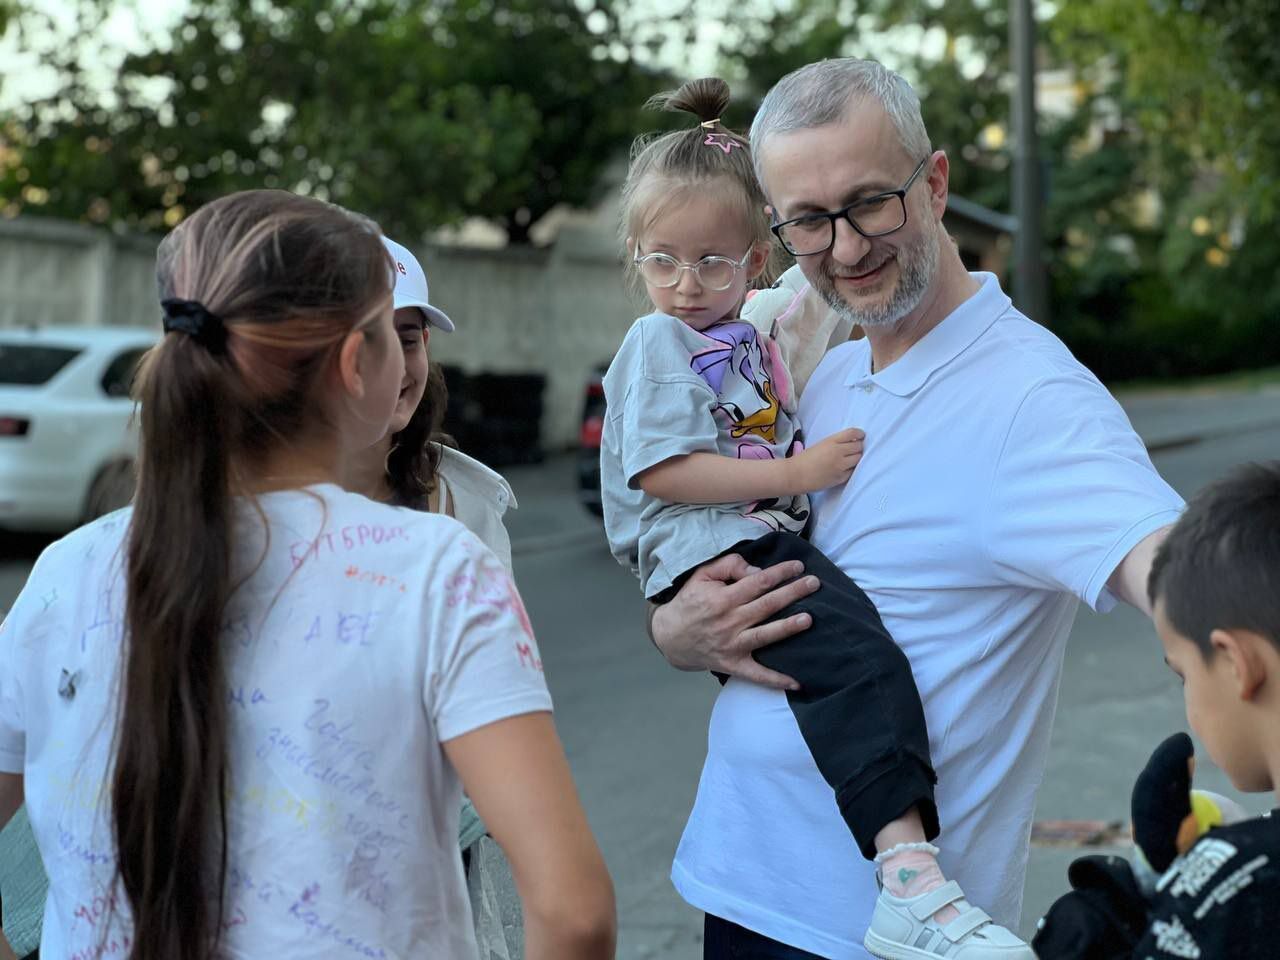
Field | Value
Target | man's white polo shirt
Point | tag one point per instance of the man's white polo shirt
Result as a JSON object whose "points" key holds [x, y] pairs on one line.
{"points": [[1000, 485]]}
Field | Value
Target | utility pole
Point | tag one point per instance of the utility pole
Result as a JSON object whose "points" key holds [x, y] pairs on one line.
{"points": [[1029, 293]]}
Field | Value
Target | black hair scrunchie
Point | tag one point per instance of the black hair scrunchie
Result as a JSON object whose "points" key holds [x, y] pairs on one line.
{"points": [[192, 318]]}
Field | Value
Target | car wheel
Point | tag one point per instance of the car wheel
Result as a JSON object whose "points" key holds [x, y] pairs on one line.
{"points": [[111, 489]]}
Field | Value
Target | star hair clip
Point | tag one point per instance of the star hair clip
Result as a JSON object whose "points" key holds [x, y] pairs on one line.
{"points": [[722, 140]]}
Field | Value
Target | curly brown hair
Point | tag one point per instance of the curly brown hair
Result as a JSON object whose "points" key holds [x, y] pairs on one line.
{"points": [[414, 461]]}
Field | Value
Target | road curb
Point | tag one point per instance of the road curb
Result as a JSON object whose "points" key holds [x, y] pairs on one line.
{"points": [[1190, 439]]}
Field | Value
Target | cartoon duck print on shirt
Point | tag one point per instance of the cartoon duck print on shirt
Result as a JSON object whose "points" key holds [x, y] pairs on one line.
{"points": [[749, 400], [752, 390]]}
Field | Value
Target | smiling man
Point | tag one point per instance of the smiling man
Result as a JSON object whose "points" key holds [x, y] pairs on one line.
{"points": [[1001, 485]]}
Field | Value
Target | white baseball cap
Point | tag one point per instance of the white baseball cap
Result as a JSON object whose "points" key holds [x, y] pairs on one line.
{"points": [[411, 286]]}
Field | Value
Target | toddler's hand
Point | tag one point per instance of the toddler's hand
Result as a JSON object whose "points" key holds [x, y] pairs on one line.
{"points": [[830, 462]]}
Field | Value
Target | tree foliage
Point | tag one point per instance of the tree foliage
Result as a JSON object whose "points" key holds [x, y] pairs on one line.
{"points": [[1159, 179], [1201, 76], [955, 54], [1200, 139], [418, 112], [1162, 175]]}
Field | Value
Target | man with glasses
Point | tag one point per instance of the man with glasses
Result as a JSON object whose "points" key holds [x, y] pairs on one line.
{"points": [[1000, 485]]}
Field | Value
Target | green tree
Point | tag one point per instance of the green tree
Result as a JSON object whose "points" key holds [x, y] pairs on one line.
{"points": [[1202, 78], [1201, 98], [1157, 179], [955, 54], [419, 113]]}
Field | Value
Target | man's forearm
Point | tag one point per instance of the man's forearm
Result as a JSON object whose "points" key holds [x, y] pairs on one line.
{"points": [[660, 628], [651, 611]]}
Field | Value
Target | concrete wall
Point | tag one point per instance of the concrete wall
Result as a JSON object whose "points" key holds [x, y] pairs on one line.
{"points": [[65, 273], [558, 312]]}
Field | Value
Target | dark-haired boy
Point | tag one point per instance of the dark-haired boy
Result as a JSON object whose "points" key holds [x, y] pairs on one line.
{"points": [[1215, 587]]}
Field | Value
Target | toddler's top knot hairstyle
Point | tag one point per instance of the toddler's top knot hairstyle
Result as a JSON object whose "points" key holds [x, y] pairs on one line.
{"points": [[665, 168], [706, 99]]}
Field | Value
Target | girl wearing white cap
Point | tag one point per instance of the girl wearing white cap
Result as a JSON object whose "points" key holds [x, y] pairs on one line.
{"points": [[415, 465]]}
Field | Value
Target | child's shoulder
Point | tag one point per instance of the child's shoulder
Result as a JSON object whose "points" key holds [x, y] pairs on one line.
{"points": [[661, 325], [646, 331], [657, 347]]}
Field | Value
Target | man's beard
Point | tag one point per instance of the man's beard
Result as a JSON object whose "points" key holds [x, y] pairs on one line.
{"points": [[917, 265]]}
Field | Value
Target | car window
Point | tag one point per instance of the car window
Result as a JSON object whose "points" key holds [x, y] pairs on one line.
{"points": [[29, 365], [118, 377]]}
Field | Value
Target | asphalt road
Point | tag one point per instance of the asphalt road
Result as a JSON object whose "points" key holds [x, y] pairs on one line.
{"points": [[635, 729]]}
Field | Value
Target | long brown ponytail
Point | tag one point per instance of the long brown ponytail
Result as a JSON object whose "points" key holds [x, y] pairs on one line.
{"points": [[289, 278]]}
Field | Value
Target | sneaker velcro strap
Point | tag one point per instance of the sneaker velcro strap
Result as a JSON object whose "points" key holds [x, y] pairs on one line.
{"points": [[933, 901], [965, 924]]}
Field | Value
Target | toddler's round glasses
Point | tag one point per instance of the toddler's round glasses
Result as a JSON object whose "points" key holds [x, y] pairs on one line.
{"points": [[714, 273]]}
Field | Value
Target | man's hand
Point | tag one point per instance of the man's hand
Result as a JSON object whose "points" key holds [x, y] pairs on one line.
{"points": [[717, 618], [830, 462]]}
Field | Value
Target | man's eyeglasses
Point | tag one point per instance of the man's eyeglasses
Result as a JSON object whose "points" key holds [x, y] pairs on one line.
{"points": [[872, 216], [714, 273]]}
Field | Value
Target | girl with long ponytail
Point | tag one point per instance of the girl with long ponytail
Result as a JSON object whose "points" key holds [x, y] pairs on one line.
{"points": [[242, 711]]}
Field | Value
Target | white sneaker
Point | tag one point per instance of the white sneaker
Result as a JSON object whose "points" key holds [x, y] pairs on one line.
{"points": [[905, 930]]}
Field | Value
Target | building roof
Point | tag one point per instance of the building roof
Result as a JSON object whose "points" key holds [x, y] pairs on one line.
{"points": [[982, 216]]}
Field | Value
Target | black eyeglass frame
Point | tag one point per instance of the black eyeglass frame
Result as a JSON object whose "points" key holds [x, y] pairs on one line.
{"points": [[844, 212]]}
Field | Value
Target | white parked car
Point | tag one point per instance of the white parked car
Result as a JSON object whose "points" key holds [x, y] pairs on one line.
{"points": [[67, 437]]}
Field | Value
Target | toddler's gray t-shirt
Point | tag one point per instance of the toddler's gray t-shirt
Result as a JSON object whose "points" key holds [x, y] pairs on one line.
{"points": [[672, 390]]}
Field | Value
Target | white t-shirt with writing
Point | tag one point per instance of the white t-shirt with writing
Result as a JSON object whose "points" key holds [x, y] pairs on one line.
{"points": [[1001, 484], [367, 637]]}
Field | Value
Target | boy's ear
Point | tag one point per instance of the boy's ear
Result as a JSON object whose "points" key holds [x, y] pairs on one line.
{"points": [[350, 361], [1246, 654]]}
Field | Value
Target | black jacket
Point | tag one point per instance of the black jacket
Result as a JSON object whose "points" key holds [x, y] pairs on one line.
{"points": [[1219, 901]]}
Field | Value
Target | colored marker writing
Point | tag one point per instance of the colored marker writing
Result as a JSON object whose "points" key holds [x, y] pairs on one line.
{"points": [[303, 909], [92, 911], [348, 538], [347, 629], [240, 698], [376, 579]]}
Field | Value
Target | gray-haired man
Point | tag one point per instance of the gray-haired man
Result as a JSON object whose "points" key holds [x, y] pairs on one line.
{"points": [[1001, 485]]}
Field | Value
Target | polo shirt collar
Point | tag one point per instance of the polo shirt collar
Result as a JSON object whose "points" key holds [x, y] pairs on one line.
{"points": [[940, 345]]}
